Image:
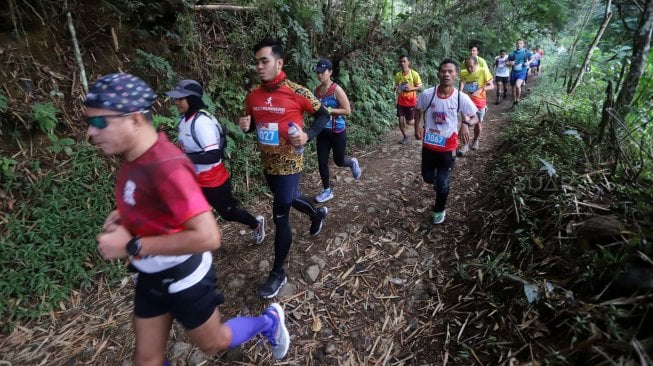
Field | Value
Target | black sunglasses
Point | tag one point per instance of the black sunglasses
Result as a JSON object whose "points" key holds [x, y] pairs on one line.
{"points": [[100, 122]]}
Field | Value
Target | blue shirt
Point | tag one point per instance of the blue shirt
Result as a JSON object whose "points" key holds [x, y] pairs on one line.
{"points": [[336, 123]]}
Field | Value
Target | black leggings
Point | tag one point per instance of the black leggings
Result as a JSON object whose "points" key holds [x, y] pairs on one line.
{"points": [[285, 189], [436, 170], [223, 201], [326, 141]]}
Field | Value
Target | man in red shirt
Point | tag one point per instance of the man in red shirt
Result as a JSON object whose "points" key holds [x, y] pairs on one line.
{"points": [[165, 227], [271, 109]]}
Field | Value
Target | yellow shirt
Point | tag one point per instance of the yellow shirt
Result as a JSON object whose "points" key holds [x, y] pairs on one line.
{"points": [[475, 81], [407, 99]]}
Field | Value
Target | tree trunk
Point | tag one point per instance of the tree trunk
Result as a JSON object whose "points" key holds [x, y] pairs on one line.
{"points": [[605, 115], [572, 50], [641, 46], [597, 38]]}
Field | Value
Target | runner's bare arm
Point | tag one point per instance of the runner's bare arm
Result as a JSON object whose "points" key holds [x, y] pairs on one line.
{"points": [[200, 234], [418, 122], [345, 107]]}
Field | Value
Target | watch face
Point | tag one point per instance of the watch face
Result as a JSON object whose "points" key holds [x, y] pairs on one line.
{"points": [[134, 246]]}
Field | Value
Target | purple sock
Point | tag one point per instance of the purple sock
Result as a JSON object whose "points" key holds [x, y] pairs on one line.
{"points": [[244, 328]]}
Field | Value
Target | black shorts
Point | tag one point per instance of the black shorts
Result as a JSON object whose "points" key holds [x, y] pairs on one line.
{"points": [[407, 112], [191, 307], [502, 79]]}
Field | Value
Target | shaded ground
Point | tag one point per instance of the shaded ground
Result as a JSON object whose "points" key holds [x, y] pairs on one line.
{"points": [[386, 292]]}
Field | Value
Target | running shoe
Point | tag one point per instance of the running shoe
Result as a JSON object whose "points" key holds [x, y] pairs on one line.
{"points": [[438, 217], [515, 104], [258, 234], [475, 144], [497, 102], [272, 285], [318, 221], [277, 336], [464, 149], [355, 169], [404, 141], [326, 195]]}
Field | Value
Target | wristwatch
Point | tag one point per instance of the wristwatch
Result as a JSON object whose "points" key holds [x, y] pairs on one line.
{"points": [[467, 123], [133, 246]]}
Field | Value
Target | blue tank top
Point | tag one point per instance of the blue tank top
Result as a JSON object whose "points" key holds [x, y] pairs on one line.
{"points": [[336, 123]]}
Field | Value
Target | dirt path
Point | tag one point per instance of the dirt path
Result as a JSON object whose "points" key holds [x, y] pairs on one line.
{"points": [[385, 292]]}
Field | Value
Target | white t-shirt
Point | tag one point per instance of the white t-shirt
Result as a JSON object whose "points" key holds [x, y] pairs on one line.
{"points": [[441, 118], [207, 133], [502, 69]]}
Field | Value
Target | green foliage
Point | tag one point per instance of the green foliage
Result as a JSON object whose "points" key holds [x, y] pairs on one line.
{"points": [[45, 115], [7, 168], [61, 144], [147, 62], [4, 105], [48, 243]]}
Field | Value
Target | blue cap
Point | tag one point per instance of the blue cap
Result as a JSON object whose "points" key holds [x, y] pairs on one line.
{"points": [[323, 65], [120, 92]]}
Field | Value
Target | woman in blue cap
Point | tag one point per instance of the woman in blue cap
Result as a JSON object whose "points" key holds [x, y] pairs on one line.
{"points": [[334, 135]]}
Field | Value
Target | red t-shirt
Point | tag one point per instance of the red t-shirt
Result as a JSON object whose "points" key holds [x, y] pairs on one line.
{"points": [[158, 192], [273, 110]]}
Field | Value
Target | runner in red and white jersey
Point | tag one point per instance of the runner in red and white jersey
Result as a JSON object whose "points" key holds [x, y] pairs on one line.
{"points": [[439, 107]]}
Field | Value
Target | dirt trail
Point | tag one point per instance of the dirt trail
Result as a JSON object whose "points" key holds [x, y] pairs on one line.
{"points": [[385, 291]]}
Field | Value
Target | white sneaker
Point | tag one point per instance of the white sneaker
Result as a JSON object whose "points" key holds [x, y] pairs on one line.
{"points": [[326, 195], [258, 234], [475, 145]]}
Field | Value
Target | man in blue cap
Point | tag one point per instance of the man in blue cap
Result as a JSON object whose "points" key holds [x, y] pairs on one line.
{"points": [[165, 227]]}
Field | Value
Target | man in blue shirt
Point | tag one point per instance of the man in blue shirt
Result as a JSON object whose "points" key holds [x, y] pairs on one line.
{"points": [[519, 60]]}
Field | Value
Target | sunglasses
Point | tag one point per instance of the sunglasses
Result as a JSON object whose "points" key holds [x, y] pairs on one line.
{"points": [[100, 122]]}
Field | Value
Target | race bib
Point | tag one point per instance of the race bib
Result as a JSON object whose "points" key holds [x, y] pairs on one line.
{"points": [[470, 87], [501, 70], [517, 67], [268, 133], [435, 139]]}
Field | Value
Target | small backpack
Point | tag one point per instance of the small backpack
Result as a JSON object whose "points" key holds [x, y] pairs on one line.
{"points": [[221, 131]]}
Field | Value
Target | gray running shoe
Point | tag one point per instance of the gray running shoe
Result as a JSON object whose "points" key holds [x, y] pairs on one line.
{"points": [[355, 169], [278, 336], [258, 234]]}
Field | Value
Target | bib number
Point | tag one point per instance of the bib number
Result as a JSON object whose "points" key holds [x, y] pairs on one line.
{"points": [[432, 138], [517, 67], [268, 133], [470, 87]]}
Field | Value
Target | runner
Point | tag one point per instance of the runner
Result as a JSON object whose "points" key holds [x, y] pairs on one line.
{"points": [[473, 51], [501, 75], [537, 61], [519, 60], [407, 84], [440, 132], [475, 81], [165, 227], [203, 140], [334, 135], [271, 109]]}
